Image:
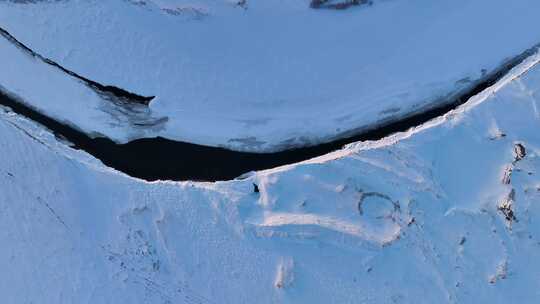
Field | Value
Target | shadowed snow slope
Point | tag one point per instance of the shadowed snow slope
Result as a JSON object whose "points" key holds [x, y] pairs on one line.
{"points": [[446, 213], [259, 75]]}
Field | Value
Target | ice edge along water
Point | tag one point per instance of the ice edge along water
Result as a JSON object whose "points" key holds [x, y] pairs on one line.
{"points": [[323, 231], [231, 78], [474, 101], [161, 159]]}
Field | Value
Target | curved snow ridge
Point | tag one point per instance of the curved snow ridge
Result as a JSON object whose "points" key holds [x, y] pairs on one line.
{"points": [[448, 118], [257, 79], [165, 153], [161, 155], [352, 149], [192, 242], [367, 193]]}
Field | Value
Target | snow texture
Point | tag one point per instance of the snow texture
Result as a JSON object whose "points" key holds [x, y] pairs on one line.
{"points": [[256, 75], [418, 217]]}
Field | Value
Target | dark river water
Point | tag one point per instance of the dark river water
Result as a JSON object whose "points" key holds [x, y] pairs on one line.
{"points": [[162, 159]]}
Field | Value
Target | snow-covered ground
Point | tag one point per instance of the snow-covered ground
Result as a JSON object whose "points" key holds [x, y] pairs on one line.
{"points": [[445, 213], [256, 75]]}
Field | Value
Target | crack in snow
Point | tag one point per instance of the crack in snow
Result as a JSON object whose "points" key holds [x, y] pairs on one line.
{"points": [[103, 90]]}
